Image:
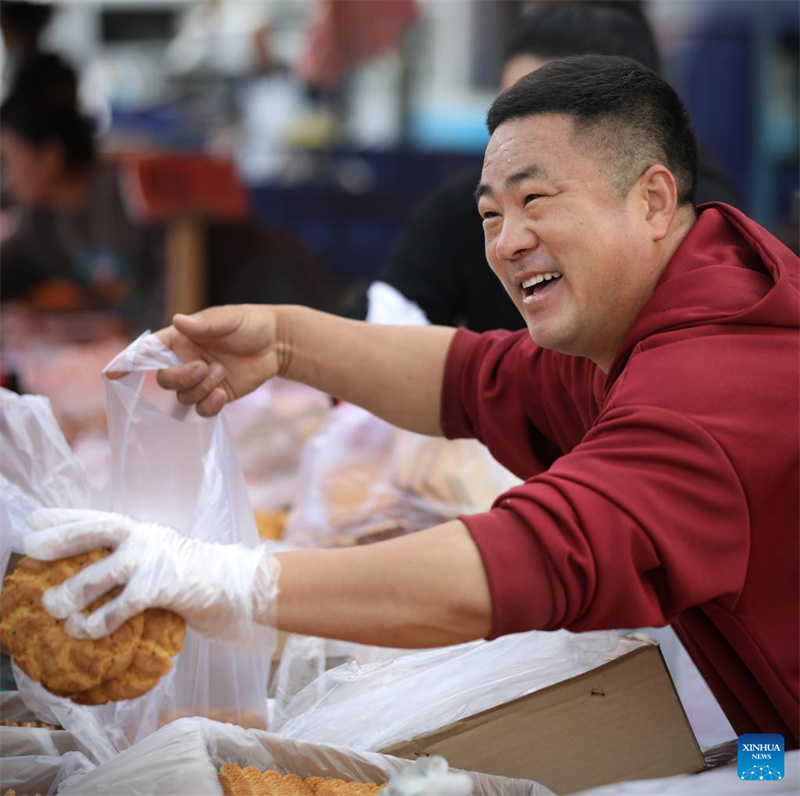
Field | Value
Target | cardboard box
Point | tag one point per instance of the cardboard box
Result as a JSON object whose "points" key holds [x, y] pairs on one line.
{"points": [[620, 721]]}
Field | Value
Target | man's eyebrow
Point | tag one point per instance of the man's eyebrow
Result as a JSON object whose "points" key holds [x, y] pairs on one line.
{"points": [[517, 177], [525, 174], [482, 190]]}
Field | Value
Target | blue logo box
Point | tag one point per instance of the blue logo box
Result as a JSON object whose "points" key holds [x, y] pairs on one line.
{"points": [[760, 756]]}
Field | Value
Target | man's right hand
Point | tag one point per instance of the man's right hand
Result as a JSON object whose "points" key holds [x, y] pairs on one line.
{"points": [[228, 352], [395, 372]]}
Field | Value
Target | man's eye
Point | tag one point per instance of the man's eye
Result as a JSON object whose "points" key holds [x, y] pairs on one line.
{"points": [[488, 214], [531, 196]]}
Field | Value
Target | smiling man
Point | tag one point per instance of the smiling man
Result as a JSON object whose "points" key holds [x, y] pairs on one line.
{"points": [[651, 405]]}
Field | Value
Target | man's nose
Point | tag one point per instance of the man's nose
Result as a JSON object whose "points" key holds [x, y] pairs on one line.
{"points": [[515, 238]]}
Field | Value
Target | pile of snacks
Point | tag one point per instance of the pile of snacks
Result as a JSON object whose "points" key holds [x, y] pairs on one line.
{"points": [[249, 781]]}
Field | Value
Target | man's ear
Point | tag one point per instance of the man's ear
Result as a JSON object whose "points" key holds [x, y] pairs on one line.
{"points": [[659, 191]]}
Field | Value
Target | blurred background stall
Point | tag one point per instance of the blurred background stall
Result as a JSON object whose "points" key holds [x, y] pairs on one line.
{"points": [[340, 115]]}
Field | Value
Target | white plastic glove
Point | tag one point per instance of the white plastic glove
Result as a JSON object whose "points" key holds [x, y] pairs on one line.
{"points": [[429, 776], [226, 592]]}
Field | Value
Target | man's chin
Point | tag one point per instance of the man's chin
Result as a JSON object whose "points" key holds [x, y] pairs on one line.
{"points": [[548, 339], [541, 338]]}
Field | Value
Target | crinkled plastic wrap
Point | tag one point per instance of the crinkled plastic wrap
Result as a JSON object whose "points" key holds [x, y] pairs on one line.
{"points": [[173, 468], [41, 773], [363, 479], [37, 467], [304, 659], [185, 757], [35, 759], [373, 706]]}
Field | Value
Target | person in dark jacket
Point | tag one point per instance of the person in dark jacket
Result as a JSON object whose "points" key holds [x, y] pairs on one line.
{"points": [[440, 263]]}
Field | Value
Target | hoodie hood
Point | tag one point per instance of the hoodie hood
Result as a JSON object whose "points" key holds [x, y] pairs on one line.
{"points": [[727, 269]]}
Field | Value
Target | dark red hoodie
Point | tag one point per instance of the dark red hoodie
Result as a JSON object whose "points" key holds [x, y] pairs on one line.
{"points": [[667, 491]]}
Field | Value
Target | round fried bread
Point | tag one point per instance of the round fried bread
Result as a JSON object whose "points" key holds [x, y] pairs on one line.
{"points": [[124, 665]]}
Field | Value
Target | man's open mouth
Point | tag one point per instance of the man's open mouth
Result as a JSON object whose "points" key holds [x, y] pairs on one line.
{"points": [[539, 283]]}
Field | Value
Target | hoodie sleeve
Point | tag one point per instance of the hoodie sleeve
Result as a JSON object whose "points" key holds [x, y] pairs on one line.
{"points": [[643, 519]]}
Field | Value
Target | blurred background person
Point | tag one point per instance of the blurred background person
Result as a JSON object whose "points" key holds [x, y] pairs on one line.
{"points": [[439, 263], [75, 246], [22, 24]]}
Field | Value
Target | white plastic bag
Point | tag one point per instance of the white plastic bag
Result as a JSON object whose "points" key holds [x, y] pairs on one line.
{"points": [[42, 773], [303, 661], [37, 467], [374, 706], [176, 470], [363, 480]]}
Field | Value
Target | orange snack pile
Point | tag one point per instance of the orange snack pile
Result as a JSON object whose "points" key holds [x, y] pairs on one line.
{"points": [[12, 792], [124, 665], [30, 724], [237, 781]]}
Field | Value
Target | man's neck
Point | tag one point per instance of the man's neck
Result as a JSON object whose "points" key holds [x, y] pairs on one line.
{"points": [[684, 220]]}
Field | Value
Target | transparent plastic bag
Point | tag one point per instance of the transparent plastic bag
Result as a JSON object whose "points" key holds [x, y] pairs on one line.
{"points": [[168, 466], [37, 467], [304, 659], [364, 480], [373, 706], [269, 427]]}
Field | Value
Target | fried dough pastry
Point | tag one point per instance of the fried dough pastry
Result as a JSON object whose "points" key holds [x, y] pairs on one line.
{"points": [[124, 665], [249, 781]]}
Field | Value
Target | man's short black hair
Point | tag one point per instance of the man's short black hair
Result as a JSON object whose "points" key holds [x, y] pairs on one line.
{"points": [[624, 114], [590, 27]]}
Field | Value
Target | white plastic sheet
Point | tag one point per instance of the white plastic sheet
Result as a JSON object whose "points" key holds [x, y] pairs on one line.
{"points": [[42, 773], [184, 758], [376, 705]]}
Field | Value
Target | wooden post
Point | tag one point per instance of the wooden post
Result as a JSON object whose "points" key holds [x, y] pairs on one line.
{"points": [[186, 265]]}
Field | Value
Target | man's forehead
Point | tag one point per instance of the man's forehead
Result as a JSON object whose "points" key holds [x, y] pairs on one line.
{"points": [[542, 146], [524, 172]]}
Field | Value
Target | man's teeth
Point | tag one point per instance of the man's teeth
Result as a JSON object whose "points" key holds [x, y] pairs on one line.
{"points": [[535, 280]]}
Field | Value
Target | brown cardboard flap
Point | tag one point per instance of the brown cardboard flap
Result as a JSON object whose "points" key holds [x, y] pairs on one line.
{"points": [[622, 720]]}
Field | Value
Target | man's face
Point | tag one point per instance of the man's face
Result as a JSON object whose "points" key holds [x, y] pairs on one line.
{"points": [[573, 255]]}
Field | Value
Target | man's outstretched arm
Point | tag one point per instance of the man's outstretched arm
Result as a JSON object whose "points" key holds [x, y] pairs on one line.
{"points": [[395, 372], [426, 589]]}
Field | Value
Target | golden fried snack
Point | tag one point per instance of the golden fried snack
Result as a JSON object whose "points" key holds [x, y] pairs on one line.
{"points": [[124, 665], [12, 792], [270, 524], [32, 724], [233, 781], [250, 781]]}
